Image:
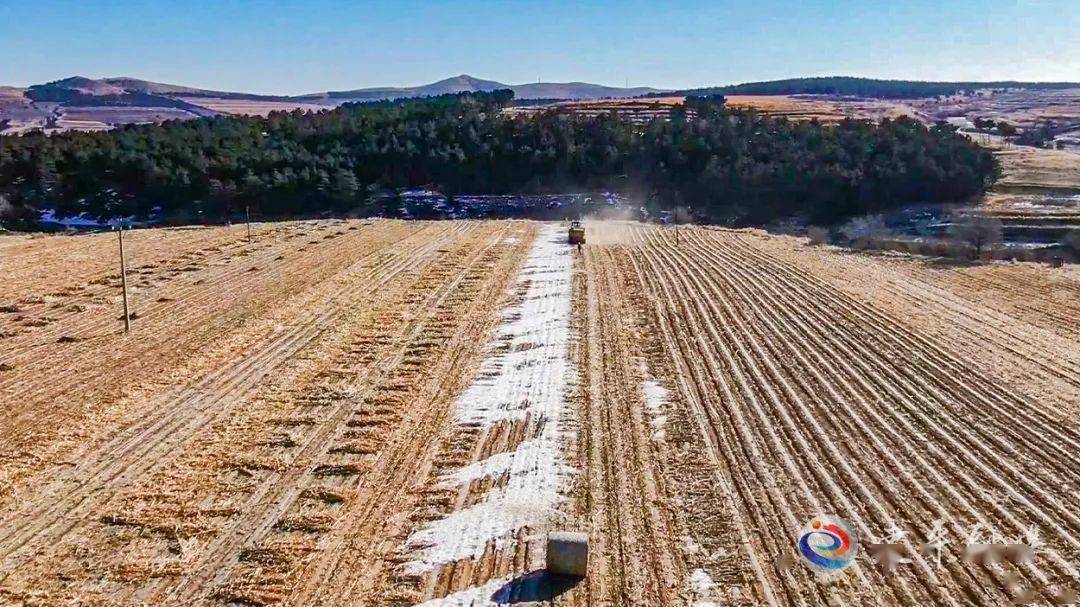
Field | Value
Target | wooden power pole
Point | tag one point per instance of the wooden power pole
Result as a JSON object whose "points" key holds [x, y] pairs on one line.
{"points": [[247, 219], [123, 281]]}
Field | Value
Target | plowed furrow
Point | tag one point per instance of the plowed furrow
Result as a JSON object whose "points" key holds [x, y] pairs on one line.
{"points": [[806, 363], [1020, 408], [764, 503], [782, 443], [775, 304], [638, 561], [915, 393], [1029, 414]]}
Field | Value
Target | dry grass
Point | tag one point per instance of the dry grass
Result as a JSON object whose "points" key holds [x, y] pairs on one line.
{"points": [[253, 107], [275, 437], [1026, 167], [1022, 108]]}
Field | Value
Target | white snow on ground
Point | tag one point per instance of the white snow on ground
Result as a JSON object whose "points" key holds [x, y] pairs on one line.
{"points": [[470, 597], [528, 377], [702, 586], [700, 582], [656, 396], [516, 462]]}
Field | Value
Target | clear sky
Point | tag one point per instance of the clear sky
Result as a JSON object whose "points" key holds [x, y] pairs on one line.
{"points": [[280, 47]]}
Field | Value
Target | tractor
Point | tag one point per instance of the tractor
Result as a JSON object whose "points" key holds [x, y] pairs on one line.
{"points": [[577, 233]]}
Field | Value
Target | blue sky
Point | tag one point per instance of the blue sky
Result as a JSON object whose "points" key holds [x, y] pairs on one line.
{"points": [[298, 47]]}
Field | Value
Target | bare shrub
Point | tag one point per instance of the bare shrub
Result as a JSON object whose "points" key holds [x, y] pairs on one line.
{"points": [[818, 235], [6, 210], [865, 232], [977, 231], [1071, 244]]}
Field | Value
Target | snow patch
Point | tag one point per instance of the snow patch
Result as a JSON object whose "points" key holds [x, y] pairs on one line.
{"points": [[526, 378], [702, 587], [518, 463], [470, 597], [700, 582], [656, 396]]}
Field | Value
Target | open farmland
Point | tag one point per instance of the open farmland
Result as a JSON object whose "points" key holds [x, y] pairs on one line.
{"points": [[1038, 197], [253, 107], [826, 109], [395, 413]]}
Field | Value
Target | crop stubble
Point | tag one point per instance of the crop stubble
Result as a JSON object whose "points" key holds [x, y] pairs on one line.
{"points": [[299, 426]]}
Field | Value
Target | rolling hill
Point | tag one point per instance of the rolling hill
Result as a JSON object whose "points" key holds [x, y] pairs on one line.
{"points": [[466, 83], [85, 103]]}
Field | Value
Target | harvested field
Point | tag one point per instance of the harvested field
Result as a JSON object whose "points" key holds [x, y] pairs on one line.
{"points": [[805, 391], [253, 107], [1038, 197], [1024, 108], [794, 107], [395, 413], [1039, 170]]}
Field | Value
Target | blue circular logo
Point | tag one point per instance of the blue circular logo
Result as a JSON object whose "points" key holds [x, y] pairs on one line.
{"points": [[826, 544]]}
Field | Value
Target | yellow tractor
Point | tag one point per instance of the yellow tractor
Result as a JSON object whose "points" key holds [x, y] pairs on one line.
{"points": [[577, 233]]}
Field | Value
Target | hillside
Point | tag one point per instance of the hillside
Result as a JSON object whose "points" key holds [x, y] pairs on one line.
{"points": [[94, 104], [52, 105], [867, 87], [466, 83]]}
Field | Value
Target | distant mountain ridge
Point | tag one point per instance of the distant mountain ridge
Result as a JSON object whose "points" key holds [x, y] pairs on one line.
{"points": [[466, 83], [89, 90], [85, 103], [82, 89]]}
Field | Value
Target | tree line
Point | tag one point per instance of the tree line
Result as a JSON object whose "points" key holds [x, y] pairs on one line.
{"points": [[849, 86], [730, 166]]}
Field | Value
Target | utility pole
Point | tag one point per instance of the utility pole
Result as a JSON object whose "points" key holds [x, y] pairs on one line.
{"points": [[123, 280], [247, 218]]}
